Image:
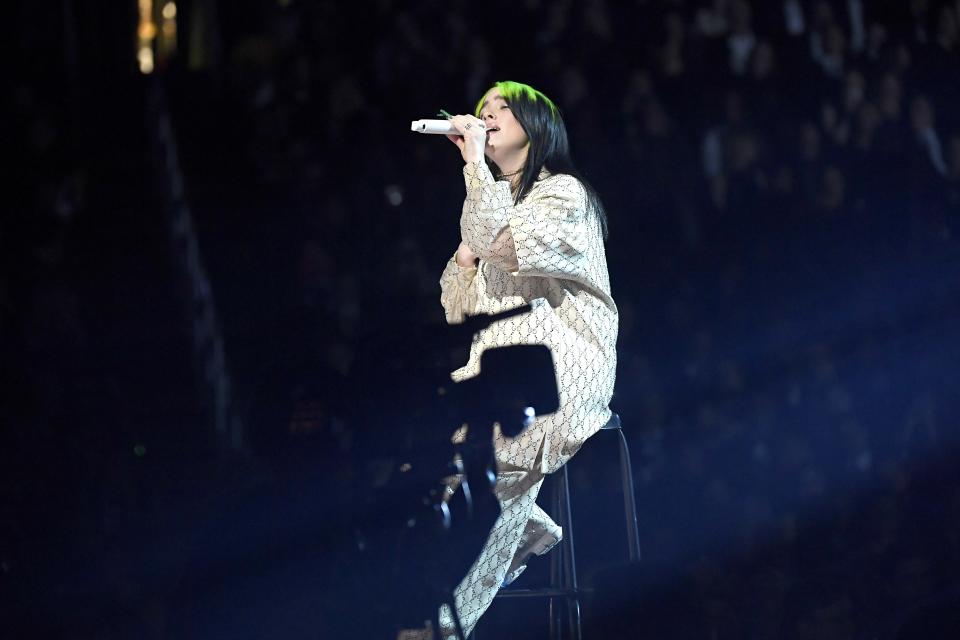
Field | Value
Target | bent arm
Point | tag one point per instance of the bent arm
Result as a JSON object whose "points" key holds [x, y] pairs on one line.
{"points": [[546, 235], [458, 291]]}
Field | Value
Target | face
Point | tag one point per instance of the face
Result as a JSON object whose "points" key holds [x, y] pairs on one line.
{"points": [[505, 137]]}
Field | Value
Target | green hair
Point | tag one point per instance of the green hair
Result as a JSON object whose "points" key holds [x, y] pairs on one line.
{"points": [[512, 90]]}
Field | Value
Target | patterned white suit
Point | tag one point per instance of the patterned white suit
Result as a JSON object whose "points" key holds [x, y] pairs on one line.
{"points": [[547, 251]]}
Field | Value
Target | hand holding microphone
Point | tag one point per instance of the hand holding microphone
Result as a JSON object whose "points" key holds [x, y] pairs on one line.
{"points": [[467, 132]]}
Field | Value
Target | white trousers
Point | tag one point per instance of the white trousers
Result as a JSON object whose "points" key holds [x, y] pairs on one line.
{"points": [[521, 530]]}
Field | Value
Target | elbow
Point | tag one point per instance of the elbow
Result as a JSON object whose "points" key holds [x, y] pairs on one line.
{"points": [[502, 252]]}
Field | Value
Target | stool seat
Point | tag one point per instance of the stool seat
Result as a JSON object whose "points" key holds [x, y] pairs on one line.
{"points": [[564, 588], [544, 592], [612, 423]]}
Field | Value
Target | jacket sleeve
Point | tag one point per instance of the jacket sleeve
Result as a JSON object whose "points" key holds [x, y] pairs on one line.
{"points": [[458, 291], [547, 234]]}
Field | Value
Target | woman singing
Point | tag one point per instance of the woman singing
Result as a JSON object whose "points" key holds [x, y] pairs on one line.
{"points": [[532, 231]]}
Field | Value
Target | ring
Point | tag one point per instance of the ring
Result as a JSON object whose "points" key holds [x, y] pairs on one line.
{"points": [[469, 125]]}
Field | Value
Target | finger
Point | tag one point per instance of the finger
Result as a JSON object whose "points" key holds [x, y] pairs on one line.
{"points": [[459, 123], [465, 122], [468, 125]]}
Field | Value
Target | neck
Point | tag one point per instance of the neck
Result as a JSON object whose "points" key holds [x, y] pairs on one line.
{"points": [[512, 167], [513, 177], [512, 171]]}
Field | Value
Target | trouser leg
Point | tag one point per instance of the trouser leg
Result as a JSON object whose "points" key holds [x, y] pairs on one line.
{"points": [[517, 492]]}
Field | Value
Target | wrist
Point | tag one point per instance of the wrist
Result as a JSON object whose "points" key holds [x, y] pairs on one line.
{"points": [[465, 258], [473, 155]]}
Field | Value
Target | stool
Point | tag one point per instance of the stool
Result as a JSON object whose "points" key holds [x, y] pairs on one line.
{"points": [[563, 585]]}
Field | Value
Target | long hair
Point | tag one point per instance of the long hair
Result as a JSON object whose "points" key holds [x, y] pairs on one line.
{"points": [[549, 146]]}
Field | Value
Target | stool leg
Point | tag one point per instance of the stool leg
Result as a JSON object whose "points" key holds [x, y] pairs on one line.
{"points": [[629, 501], [557, 578], [570, 577]]}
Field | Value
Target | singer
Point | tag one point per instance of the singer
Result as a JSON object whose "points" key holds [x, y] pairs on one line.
{"points": [[532, 230]]}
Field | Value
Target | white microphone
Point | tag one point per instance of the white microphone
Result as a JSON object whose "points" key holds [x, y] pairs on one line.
{"points": [[441, 127]]}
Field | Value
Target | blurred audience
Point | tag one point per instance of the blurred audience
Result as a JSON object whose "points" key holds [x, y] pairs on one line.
{"points": [[759, 161]]}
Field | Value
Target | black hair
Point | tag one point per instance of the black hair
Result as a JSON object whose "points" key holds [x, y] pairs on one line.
{"points": [[549, 145]]}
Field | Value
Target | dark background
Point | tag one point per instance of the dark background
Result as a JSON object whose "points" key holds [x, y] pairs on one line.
{"points": [[194, 260]]}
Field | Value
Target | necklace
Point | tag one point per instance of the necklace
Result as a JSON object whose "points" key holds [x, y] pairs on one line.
{"points": [[507, 175]]}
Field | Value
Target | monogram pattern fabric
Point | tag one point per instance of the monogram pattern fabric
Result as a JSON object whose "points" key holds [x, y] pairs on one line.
{"points": [[546, 251]]}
